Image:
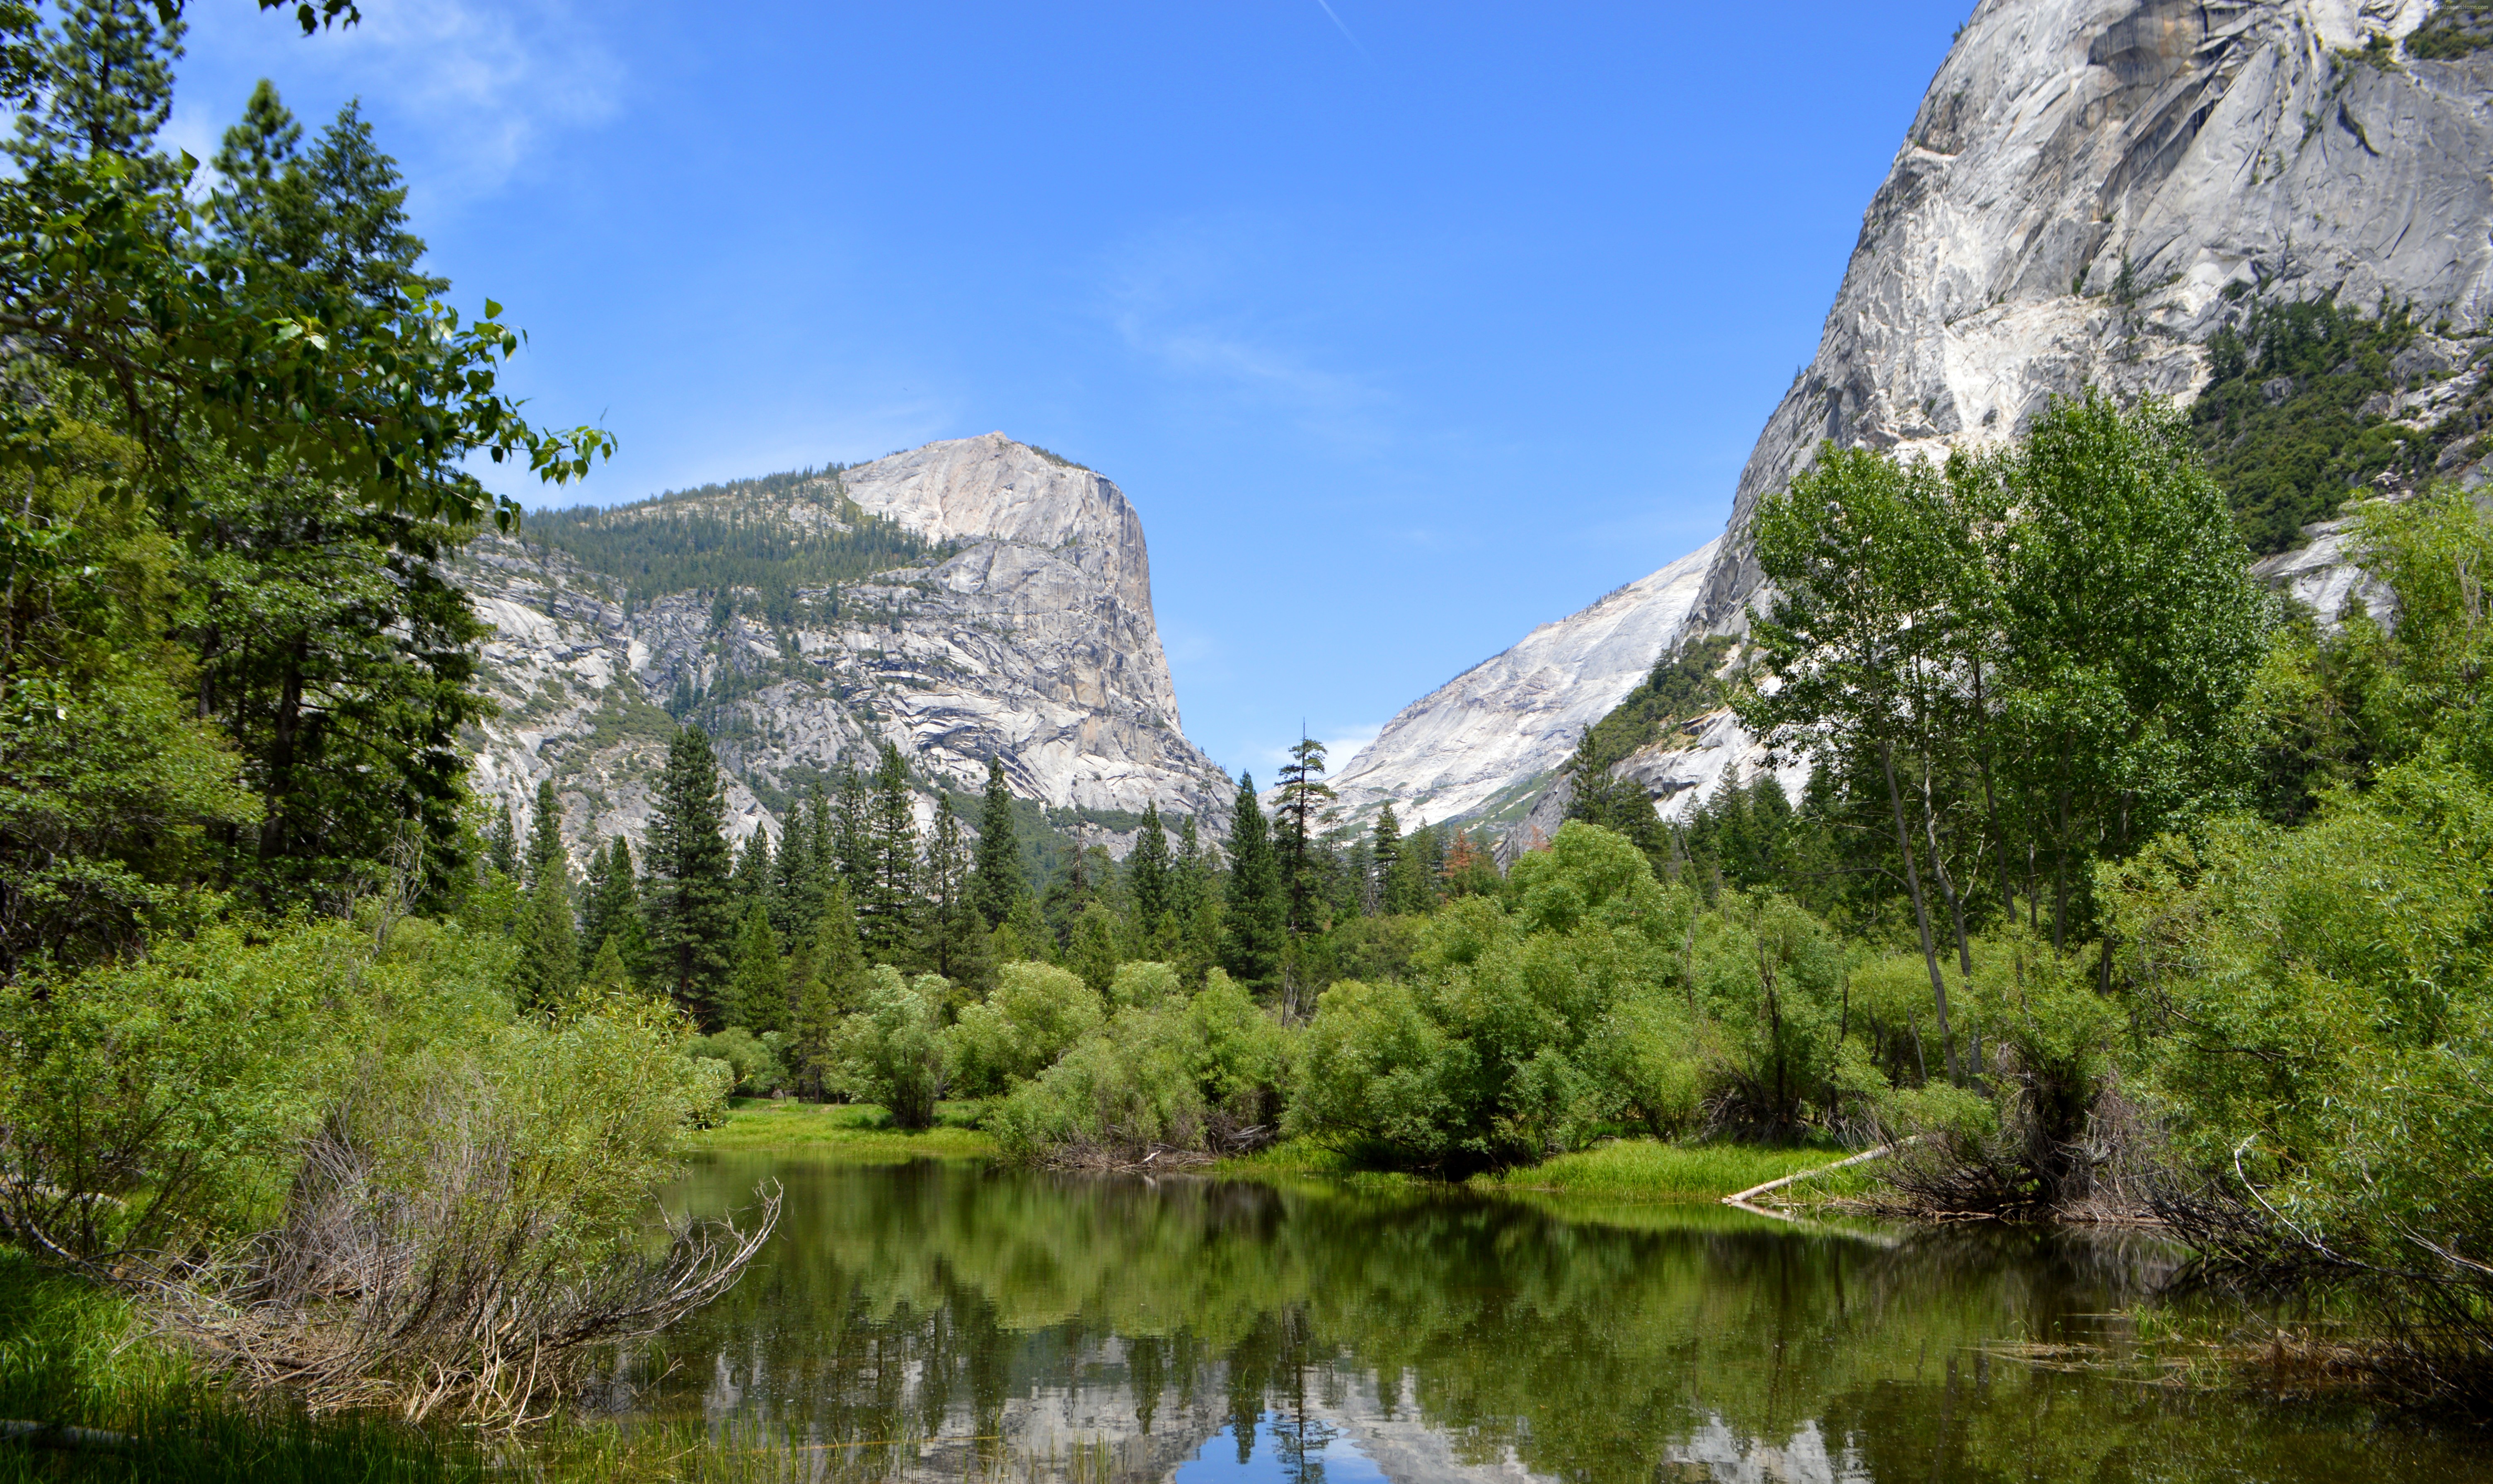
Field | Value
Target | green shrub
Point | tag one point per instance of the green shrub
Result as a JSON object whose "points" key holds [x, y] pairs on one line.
{"points": [[754, 1061], [1204, 1075], [1144, 985], [895, 1052], [1036, 1015]]}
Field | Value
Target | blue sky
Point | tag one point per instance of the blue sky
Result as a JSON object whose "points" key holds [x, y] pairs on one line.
{"points": [[1406, 326]]}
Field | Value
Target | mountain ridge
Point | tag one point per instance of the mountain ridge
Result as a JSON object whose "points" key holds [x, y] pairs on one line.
{"points": [[1020, 626]]}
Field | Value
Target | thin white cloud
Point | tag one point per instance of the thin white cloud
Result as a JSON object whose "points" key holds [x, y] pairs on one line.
{"points": [[467, 90], [1338, 26], [1179, 298]]}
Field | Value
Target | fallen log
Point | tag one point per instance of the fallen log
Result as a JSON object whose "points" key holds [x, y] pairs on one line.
{"points": [[1745, 1197]]}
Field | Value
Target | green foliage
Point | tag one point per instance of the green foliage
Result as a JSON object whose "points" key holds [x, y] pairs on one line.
{"points": [[755, 1063], [704, 540], [1196, 1076], [2456, 28], [893, 1050], [1145, 984], [758, 992], [2281, 422], [2323, 1005], [1036, 1015], [1256, 921], [1494, 1054], [692, 904]]}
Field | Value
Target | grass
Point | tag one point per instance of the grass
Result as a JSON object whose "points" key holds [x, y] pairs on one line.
{"points": [[851, 1132], [1621, 1170], [74, 1354], [1647, 1169]]}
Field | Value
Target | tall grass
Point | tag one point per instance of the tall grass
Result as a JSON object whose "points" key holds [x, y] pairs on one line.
{"points": [[849, 1132], [74, 1355]]}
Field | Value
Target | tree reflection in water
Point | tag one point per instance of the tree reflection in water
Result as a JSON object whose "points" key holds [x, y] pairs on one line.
{"points": [[941, 1320]]}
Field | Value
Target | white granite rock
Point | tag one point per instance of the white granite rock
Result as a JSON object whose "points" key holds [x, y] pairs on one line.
{"points": [[1031, 637]]}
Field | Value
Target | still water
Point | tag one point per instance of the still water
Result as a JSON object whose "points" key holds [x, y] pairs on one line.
{"points": [[935, 1321]]}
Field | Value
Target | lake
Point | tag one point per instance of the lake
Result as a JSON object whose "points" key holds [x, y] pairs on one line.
{"points": [[945, 1320]]}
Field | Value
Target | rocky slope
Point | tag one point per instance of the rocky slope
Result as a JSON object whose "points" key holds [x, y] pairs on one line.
{"points": [[1025, 633], [1483, 743], [2090, 190]]}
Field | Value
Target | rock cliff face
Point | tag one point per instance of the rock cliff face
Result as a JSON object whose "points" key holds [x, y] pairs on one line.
{"points": [[2091, 187], [1483, 743], [2090, 190], [1027, 634]]}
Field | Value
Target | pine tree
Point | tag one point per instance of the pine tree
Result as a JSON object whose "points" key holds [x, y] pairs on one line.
{"points": [[1385, 850], [607, 975], [503, 844], [546, 852], [1294, 844], [332, 223], [1195, 904], [694, 903], [1023, 937], [996, 879], [611, 917], [106, 84], [795, 900], [1093, 952], [852, 831], [887, 919], [756, 873], [549, 967], [839, 955], [1255, 923], [953, 940], [1147, 872], [823, 832], [760, 995], [1412, 887]]}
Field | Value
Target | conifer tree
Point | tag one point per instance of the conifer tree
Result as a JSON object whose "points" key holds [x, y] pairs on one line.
{"points": [[1384, 851], [1254, 924], [606, 973], [760, 995], [1147, 872], [853, 833], [546, 852], [997, 880], [1412, 887], [549, 967], [107, 89], [503, 844], [1023, 937], [693, 902], [795, 897], [757, 875], [1303, 794], [824, 829], [839, 953], [953, 940], [1093, 952], [611, 913], [889, 908], [1196, 906]]}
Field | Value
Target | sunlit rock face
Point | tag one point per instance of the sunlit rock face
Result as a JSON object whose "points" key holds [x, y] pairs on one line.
{"points": [[2088, 191], [1028, 636], [1490, 735], [2085, 183]]}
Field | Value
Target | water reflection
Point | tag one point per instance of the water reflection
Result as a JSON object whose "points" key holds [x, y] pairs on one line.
{"points": [[943, 1321]]}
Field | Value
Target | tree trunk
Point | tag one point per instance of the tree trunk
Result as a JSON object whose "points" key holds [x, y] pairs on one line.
{"points": [[1921, 907]]}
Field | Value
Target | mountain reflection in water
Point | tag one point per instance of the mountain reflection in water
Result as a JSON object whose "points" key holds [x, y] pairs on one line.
{"points": [[934, 1320]]}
